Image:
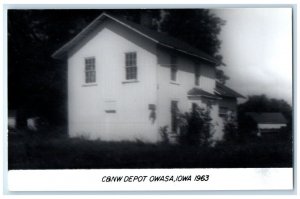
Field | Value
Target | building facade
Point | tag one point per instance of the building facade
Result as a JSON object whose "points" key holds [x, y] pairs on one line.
{"points": [[124, 81]]}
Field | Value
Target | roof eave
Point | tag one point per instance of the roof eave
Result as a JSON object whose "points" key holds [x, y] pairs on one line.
{"points": [[206, 96], [191, 54], [62, 51], [226, 96], [235, 94]]}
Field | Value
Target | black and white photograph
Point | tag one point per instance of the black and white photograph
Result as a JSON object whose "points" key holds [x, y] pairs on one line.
{"points": [[168, 88]]}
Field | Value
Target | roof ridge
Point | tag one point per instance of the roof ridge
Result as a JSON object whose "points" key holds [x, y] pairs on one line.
{"points": [[163, 39]]}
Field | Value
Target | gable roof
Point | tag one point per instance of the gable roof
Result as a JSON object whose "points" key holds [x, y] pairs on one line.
{"points": [[267, 118], [156, 37], [224, 91]]}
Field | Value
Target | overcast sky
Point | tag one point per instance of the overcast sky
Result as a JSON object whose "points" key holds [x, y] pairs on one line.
{"points": [[257, 49]]}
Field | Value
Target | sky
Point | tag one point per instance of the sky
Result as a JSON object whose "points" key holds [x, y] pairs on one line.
{"points": [[257, 50]]}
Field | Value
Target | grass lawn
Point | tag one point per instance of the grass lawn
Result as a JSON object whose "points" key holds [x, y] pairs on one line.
{"points": [[38, 150]]}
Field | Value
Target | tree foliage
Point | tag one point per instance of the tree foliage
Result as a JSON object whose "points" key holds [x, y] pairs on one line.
{"points": [[36, 82], [262, 103], [199, 27]]}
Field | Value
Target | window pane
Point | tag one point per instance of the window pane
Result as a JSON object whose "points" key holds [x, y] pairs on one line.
{"points": [[128, 73], [134, 72], [131, 66], [90, 70], [197, 81], [173, 73], [93, 76], [133, 59], [173, 68], [130, 59], [131, 72], [197, 74]]}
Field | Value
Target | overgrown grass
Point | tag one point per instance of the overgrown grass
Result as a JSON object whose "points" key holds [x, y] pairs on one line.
{"points": [[51, 150]]}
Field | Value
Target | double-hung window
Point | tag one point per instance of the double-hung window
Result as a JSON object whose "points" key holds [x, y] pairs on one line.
{"points": [[174, 68], [197, 75], [90, 70], [131, 66]]}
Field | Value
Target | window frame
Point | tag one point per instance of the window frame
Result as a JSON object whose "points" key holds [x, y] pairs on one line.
{"points": [[90, 70], [173, 68], [174, 114], [131, 69], [197, 75]]}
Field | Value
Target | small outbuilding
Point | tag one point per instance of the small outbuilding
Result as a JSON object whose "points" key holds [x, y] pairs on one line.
{"points": [[268, 122]]}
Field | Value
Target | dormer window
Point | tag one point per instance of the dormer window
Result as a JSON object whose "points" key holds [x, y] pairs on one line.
{"points": [[131, 65], [90, 70], [174, 68]]}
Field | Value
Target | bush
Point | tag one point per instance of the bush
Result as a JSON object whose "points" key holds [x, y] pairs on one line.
{"points": [[195, 127], [164, 134], [230, 132], [247, 128]]}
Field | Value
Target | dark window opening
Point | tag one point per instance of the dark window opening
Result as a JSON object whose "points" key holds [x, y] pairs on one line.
{"points": [[174, 68], [174, 112], [90, 70], [197, 75], [131, 65]]}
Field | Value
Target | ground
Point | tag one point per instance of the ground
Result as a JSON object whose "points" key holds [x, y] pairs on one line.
{"points": [[54, 150]]}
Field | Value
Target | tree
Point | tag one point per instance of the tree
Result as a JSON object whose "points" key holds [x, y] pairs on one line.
{"points": [[220, 75], [199, 27], [36, 82], [261, 103]]}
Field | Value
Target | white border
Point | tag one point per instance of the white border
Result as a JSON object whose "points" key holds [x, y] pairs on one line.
{"points": [[143, 179], [39, 4]]}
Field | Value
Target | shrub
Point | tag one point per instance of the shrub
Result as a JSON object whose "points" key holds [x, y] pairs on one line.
{"points": [[163, 131], [247, 128], [230, 128], [195, 127], [230, 132]]}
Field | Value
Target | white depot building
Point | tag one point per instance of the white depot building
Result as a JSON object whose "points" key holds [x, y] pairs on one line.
{"points": [[124, 80]]}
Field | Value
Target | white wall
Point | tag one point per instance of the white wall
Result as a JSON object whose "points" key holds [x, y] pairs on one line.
{"points": [[87, 116], [178, 90]]}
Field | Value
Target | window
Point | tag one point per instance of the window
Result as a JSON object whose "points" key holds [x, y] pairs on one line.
{"points": [[223, 110], [197, 75], [90, 70], [131, 66], [173, 68], [174, 111]]}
